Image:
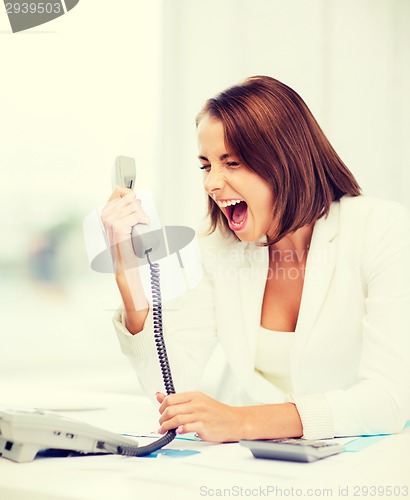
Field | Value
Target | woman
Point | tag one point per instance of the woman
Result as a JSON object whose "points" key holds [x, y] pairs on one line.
{"points": [[306, 287]]}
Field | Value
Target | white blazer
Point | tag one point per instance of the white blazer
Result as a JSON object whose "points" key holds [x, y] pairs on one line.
{"points": [[350, 360]]}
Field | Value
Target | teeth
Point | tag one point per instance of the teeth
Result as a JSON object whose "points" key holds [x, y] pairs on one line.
{"points": [[224, 204]]}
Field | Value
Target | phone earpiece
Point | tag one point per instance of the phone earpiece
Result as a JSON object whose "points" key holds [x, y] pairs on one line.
{"points": [[124, 172]]}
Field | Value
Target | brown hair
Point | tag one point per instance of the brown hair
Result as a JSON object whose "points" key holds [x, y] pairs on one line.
{"points": [[271, 130]]}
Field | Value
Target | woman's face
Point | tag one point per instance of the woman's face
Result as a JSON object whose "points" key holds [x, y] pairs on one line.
{"points": [[245, 198]]}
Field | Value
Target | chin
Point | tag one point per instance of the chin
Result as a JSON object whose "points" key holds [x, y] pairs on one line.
{"points": [[248, 238]]}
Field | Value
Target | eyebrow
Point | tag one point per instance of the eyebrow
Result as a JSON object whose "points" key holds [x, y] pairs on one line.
{"points": [[221, 158]]}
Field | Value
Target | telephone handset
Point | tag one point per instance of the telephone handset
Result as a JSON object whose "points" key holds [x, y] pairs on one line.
{"points": [[23, 433], [175, 246], [144, 236]]}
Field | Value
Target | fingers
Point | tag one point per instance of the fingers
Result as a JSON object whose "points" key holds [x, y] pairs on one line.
{"points": [[160, 397], [171, 406], [121, 213], [196, 412], [175, 409], [185, 429], [121, 207], [182, 411], [179, 398], [126, 197], [176, 415], [120, 192]]}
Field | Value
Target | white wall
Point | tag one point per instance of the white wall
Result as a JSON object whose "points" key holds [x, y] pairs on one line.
{"points": [[369, 92], [74, 94], [348, 59]]}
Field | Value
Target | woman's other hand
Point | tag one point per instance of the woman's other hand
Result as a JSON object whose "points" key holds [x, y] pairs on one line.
{"points": [[218, 422]]}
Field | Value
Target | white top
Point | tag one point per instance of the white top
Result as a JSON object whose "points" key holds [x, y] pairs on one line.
{"points": [[273, 357]]}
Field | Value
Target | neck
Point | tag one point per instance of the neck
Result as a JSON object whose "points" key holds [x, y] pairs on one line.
{"points": [[294, 245]]}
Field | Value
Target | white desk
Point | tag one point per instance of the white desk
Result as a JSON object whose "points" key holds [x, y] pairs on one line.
{"points": [[218, 470]]}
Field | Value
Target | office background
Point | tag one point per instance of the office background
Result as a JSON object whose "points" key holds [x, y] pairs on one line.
{"points": [[128, 77]]}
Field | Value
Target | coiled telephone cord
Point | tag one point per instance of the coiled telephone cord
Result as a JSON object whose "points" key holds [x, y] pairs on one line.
{"points": [[139, 451]]}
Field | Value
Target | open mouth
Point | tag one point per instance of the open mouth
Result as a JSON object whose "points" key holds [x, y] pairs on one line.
{"points": [[237, 215]]}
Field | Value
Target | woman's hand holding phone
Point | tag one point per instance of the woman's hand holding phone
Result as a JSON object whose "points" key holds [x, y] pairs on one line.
{"points": [[120, 214]]}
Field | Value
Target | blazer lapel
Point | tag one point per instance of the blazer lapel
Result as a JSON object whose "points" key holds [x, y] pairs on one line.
{"points": [[243, 275], [320, 267], [252, 288]]}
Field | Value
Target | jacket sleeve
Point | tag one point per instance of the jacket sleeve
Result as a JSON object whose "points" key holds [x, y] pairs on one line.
{"points": [[379, 403], [190, 337]]}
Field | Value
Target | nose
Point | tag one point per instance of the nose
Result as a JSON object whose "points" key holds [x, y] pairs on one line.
{"points": [[214, 180]]}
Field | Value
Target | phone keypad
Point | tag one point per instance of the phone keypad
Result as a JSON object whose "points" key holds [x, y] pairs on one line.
{"points": [[304, 442]]}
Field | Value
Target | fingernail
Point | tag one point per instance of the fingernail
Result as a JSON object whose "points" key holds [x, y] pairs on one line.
{"points": [[160, 430], [180, 429]]}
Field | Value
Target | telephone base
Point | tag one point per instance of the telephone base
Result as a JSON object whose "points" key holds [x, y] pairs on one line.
{"points": [[24, 433], [26, 452], [18, 452]]}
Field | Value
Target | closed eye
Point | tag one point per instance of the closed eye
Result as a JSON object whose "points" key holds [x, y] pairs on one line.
{"points": [[230, 164]]}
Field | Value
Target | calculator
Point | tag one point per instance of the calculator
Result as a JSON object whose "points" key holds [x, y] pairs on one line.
{"points": [[294, 450]]}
